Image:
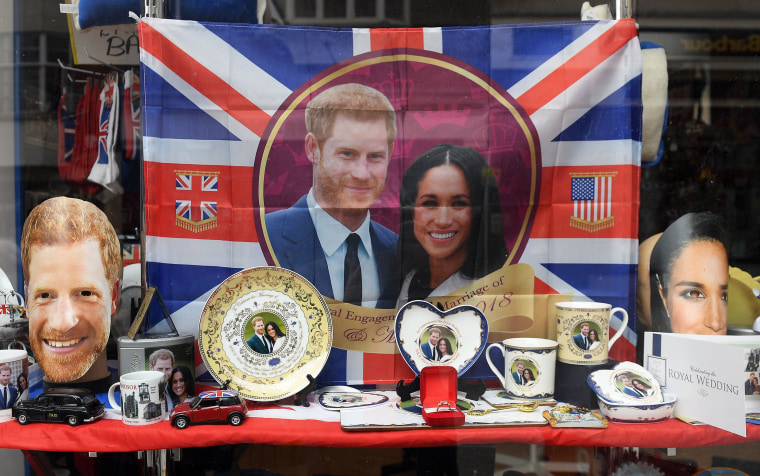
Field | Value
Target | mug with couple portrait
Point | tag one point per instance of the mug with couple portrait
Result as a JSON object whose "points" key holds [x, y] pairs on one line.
{"points": [[400, 206]]}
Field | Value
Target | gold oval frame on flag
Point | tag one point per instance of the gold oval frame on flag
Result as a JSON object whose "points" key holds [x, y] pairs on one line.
{"points": [[511, 147], [280, 296]]}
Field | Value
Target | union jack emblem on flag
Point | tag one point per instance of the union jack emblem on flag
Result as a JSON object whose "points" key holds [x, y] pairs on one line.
{"points": [[592, 201], [5, 309], [196, 203]]}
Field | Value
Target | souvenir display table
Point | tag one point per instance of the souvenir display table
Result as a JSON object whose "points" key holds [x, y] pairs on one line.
{"points": [[114, 436]]}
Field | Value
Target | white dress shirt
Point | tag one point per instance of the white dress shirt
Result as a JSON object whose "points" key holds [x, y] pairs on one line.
{"points": [[332, 236]]}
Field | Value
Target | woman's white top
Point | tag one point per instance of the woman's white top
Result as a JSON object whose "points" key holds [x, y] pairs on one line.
{"points": [[278, 344], [452, 283]]}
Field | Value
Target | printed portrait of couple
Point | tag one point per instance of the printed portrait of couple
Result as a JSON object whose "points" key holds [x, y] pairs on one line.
{"points": [[378, 200], [265, 333], [634, 385], [586, 336], [438, 343], [524, 371]]}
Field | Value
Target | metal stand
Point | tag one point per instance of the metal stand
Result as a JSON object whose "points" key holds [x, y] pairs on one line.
{"points": [[156, 8], [302, 396]]}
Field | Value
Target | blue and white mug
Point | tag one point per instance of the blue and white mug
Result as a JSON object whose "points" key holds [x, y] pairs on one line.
{"points": [[529, 367]]}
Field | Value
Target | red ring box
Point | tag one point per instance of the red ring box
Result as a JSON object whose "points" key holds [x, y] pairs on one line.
{"points": [[438, 392]]}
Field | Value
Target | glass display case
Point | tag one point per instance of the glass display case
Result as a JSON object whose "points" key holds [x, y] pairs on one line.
{"points": [[707, 162]]}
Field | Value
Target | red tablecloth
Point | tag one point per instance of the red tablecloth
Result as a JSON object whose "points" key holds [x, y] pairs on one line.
{"points": [[114, 436]]}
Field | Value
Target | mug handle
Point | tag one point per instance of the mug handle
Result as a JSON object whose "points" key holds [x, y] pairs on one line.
{"points": [[112, 398], [17, 345], [622, 327], [493, 367]]}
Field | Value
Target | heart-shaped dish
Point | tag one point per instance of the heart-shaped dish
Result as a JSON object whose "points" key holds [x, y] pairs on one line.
{"points": [[463, 328]]}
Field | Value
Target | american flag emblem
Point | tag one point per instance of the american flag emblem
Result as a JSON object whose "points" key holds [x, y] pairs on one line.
{"points": [[592, 201], [195, 204]]}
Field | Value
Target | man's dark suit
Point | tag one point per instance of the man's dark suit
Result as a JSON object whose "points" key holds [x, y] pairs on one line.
{"points": [[578, 338], [12, 394], [254, 342], [427, 351], [631, 392], [294, 240]]}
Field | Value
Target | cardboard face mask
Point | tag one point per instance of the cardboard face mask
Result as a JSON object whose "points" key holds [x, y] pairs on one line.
{"points": [[688, 271], [72, 262]]}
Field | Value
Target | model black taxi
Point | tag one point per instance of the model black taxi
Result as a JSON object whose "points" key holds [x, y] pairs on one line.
{"points": [[69, 405]]}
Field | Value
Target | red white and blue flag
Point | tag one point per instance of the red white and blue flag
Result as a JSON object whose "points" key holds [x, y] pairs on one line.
{"points": [[132, 115], [214, 94], [105, 170]]}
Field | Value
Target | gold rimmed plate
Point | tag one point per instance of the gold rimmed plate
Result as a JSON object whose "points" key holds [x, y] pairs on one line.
{"points": [[290, 307]]}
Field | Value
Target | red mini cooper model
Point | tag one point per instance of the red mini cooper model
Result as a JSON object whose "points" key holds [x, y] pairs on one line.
{"points": [[213, 406]]}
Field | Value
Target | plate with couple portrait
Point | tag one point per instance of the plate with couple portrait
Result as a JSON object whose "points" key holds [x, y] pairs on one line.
{"points": [[264, 331], [427, 336]]}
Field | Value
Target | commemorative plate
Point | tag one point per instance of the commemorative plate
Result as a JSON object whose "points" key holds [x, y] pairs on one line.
{"points": [[463, 329], [280, 303], [344, 400]]}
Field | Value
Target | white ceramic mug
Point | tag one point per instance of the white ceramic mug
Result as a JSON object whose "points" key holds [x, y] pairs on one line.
{"points": [[529, 365], [578, 323], [142, 397]]}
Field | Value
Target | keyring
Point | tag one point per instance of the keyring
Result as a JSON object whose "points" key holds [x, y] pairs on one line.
{"points": [[443, 403]]}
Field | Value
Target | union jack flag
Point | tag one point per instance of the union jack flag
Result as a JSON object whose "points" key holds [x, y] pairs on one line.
{"points": [[217, 394], [66, 131], [188, 216], [5, 309], [132, 115], [105, 170], [103, 141], [215, 95]]}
